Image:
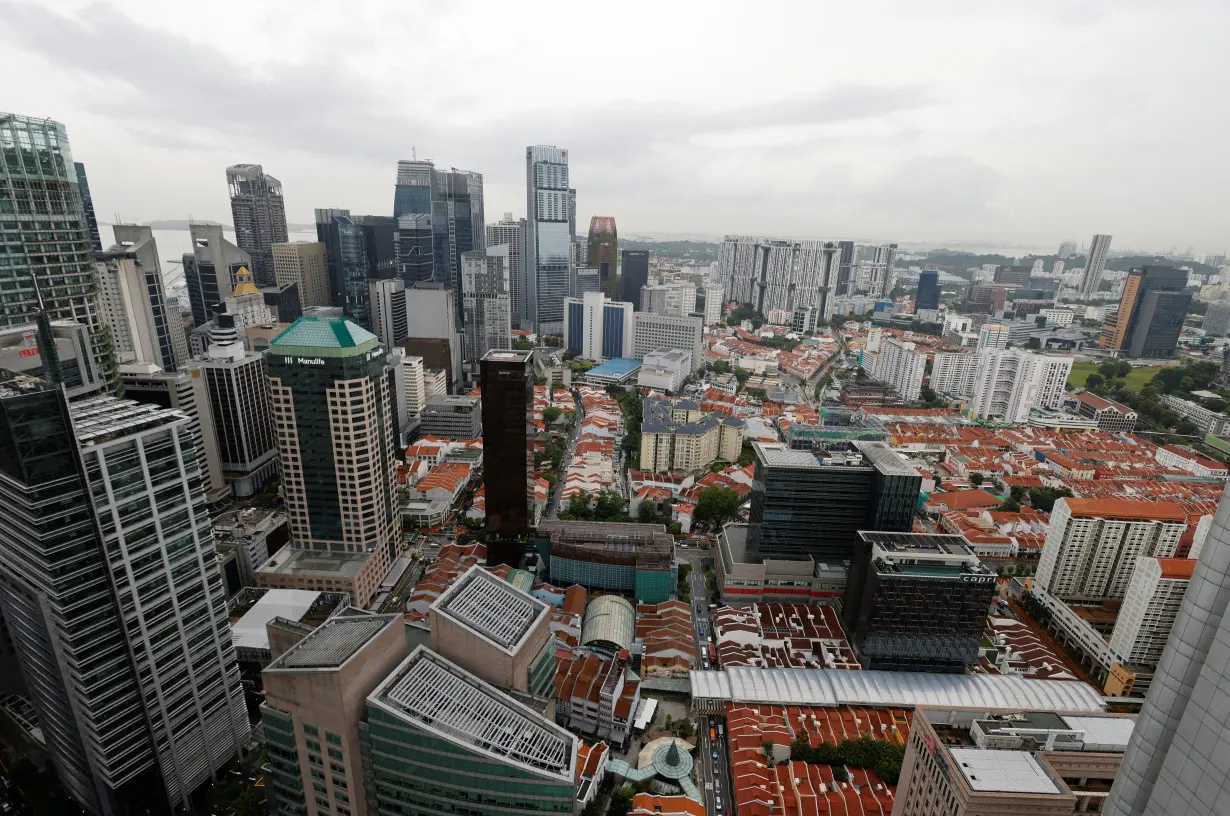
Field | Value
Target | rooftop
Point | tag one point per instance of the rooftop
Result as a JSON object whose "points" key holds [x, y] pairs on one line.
{"points": [[335, 641], [1003, 771], [617, 367], [314, 335], [440, 697], [101, 419], [493, 608], [315, 562], [1127, 509], [1177, 567], [508, 355], [249, 631], [885, 459]]}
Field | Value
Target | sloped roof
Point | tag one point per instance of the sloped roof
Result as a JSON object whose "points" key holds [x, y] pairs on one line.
{"points": [[313, 332]]}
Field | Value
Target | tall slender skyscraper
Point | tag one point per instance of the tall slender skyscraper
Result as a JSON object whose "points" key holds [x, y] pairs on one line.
{"points": [[507, 383], [259, 214], [1095, 264], [48, 240], [324, 234], [1177, 761], [511, 231], [350, 251], [113, 600], [87, 207], [633, 274], [548, 236], [604, 253], [211, 269], [144, 327], [438, 216], [485, 303]]}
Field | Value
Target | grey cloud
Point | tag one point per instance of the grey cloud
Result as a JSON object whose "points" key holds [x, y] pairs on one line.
{"points": [[937, 188]]}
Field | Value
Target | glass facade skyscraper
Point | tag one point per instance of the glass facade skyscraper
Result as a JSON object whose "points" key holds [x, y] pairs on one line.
{"points": [[550, 228], [928, 294], [87, 207], [506, 380], [633, 274], [350, 248]]}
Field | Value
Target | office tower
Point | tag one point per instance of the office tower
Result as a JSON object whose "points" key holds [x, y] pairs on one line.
{"points": [[511, 232], [413, 239], [548, 237], [415, 388], [438, 216], [651, 332], [580, 251], [439, 735], [49, 242], [240, 409], [1009, 382], [1217, 319], [305, 264], [259, 215], [1149, 609], [431, 314], [1013, 275], [133, 301], [330, 392], [1095, 264], [507, 386], [119, 628], [283, 301], [324, 234], [388, 307], [928, 294], [485, 304], [1176, 761], [597, 328], [916, 602], [1092, 545], [87, 207], [993, 336], [603, 252], [633, 274], [582, 279], [898, 364], [315, 700], [1067, 249], [985, 298], [378, 231], [350, 253], [1150, 315], [804, 506], [954, 373], [210, 270], [182, 391], [24, 350]]}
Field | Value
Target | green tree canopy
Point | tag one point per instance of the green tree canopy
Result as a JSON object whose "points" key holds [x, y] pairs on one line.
{"points": [[717, 505]]}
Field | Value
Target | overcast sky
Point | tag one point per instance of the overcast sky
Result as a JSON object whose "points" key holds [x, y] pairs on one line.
{"points": [[920, 120]]}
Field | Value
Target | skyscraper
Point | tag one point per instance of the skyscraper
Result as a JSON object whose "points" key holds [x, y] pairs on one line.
{"points": [[330, 391], [1177, 761], [604, 253], [633, 274], [772, 274], [388, 307], [324, 234], [350, 252], [211, 269], [305, 264], [144, 327], [1009, 382], [485, 304], [438, 216], [1150, 315], [1095, 264], [598, 328], [111, 596], [548, 236], [378, 242], [928, 294], [49, 243], [87, 207], [413, 238], [431, 313], [259, 215], [507, 383], [511, 232]]}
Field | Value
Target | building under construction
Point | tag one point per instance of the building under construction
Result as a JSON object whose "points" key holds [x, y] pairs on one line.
{"points": [[635, 559]]}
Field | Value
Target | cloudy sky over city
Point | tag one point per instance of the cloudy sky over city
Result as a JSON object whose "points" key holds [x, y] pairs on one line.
{"points": [[946, 120]]}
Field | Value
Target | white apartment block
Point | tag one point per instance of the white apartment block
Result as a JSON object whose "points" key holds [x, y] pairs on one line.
{"points": [[651, 332], [1058, 317], [898, 365], [1008, 383], [1092, 545], [993, 336], [713, 303], [1150, 608], [954, 374]]}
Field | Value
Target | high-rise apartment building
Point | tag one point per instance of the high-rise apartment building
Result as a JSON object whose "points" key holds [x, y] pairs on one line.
{"points": [[713, 303], [1177, 761], [1150, 314], [335, 421], [927, 295], [1095, 264], [305, 264], [898, 364], [506, 380], [768, 274], [485, 303], [50, 255], [1092, 545], [1150, 607], [1009, 382], [916, 602], [111, 596], [510, 231], [388, 308], [802, 505], [259, 215], [87, 207], [954, 374], [652, 332], [604, 253], [550, 227], [144, 327], [597, 328], [1217, 319], [211, 269], [633, 274]]}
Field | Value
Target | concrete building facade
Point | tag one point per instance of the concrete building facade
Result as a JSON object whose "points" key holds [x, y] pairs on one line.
{"points": [[304, 264]]}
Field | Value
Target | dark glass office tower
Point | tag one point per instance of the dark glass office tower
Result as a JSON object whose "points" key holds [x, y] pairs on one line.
{"points": [[350, 249], [1013, 275], [916, 602], [87, 207], [804, 506], [603, 252], [456, 223], [845, 266], [633, 274], [324, 234], [506, 379], [378, 241], [1151, 313], [928, 294]]}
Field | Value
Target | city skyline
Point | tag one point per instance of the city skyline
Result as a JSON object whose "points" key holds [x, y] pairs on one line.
{"points": [[963, 145]]}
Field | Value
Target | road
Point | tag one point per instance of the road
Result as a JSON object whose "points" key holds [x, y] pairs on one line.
{"points": [[553, 508], [712, 755]]}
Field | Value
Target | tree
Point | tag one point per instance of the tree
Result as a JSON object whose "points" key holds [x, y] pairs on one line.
{"points": [[742, 375], [927, 394], [1043, 498], [551, 413], [521, 344], [645, 512], [976, 479], [685, 728], [1094, 381], [720, 367], [621, 801], [717, 505], [1017, 493], [249, 803], [1009, 507], [1125, 368], [1216, 405]]}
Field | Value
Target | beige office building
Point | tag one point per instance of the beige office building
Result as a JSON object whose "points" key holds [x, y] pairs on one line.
{"points": [[303, 263]]}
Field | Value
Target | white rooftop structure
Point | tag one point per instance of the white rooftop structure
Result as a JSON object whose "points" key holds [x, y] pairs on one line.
{"points": [[249, 631], [1106, 734], [1003, 771], [885, 688], [330, 645], [495, 609], [440, 697]]}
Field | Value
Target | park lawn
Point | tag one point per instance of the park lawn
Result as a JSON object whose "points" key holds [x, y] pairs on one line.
{"points": [[1134, 381]]}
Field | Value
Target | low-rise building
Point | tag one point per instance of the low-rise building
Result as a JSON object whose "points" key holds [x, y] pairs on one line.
{"points": [[1207, 420], [356, 573], [1110, 415], [596, 695], [1187, 458], [444, 482], [636, 559], [678, 436], [453, 417], [665, 369]]}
